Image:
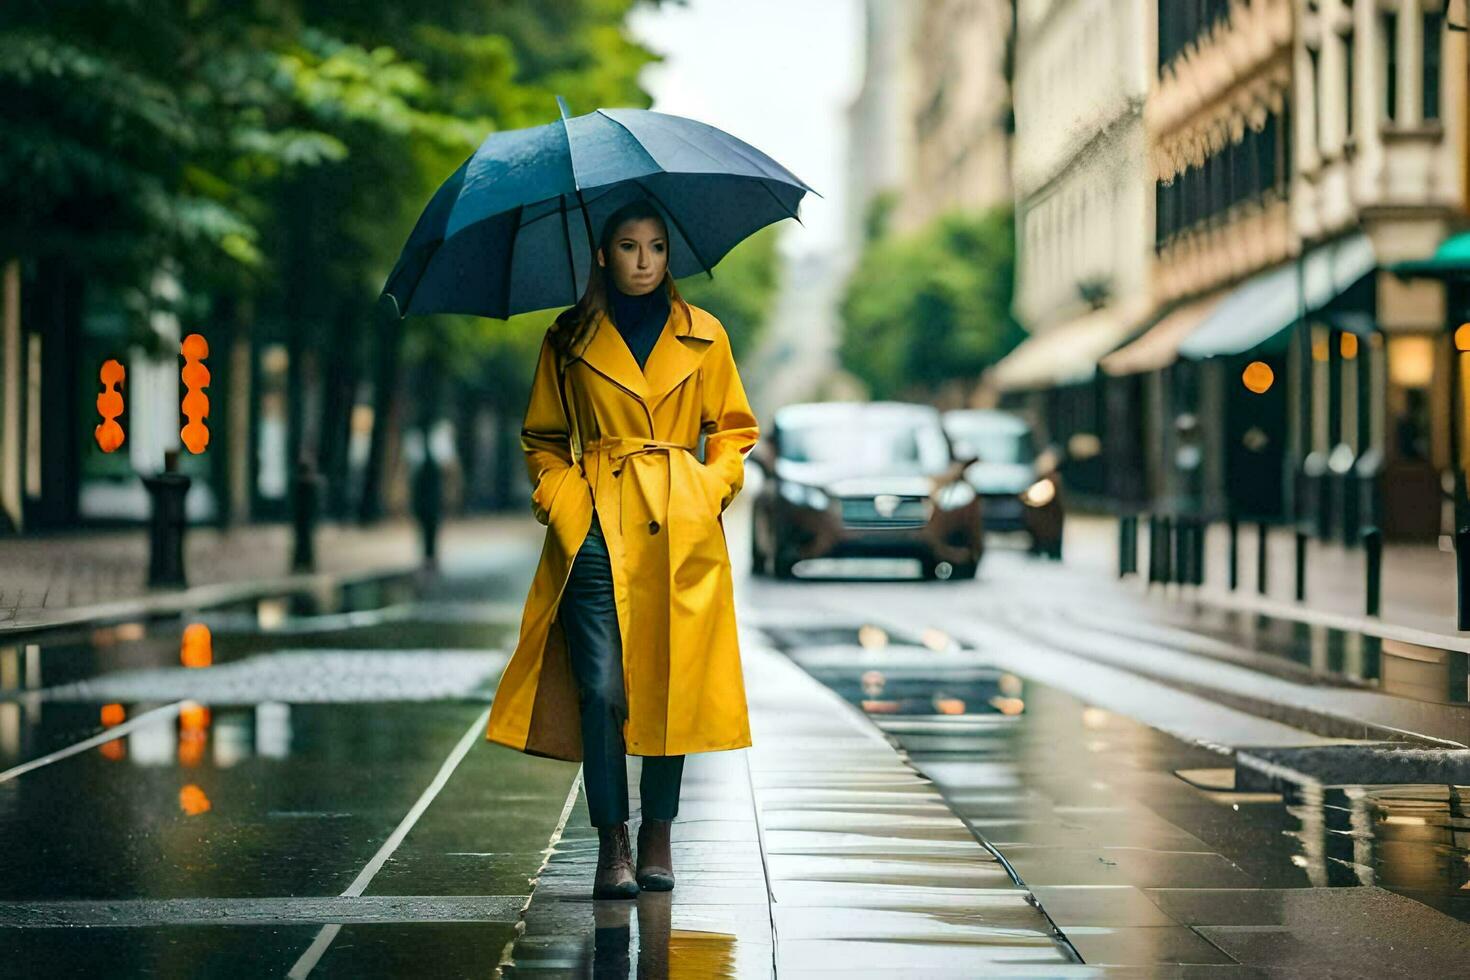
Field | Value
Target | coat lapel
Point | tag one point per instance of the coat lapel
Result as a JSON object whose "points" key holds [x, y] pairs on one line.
{"points": [[676, 354], [608, 355]]}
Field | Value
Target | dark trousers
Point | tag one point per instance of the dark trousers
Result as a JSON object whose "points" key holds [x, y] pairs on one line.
{"points": [[589, 618]]}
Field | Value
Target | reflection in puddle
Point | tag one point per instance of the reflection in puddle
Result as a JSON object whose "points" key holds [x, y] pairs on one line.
{"points": [[885, 677], [662, 951], [1075, 794]]}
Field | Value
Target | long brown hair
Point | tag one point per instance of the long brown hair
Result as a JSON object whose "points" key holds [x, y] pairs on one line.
{"points": [[574, 326]]}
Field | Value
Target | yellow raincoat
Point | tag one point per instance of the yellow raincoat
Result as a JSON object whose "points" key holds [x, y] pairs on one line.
{"points": [[660, 508]]}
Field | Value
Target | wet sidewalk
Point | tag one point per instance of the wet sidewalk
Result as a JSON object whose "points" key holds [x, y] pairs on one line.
{"points": [[60, 578], [1154, 847], [1418, 590], [817, 850]]}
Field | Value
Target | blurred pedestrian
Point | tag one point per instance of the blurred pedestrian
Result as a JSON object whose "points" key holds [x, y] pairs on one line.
{"points": [[428, 503], [627, 642]]}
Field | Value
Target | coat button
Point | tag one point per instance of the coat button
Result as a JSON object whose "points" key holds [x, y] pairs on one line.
{"points": [[653, 527]]}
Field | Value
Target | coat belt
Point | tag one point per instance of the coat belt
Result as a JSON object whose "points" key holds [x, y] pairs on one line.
{"points": [[618, 448]]}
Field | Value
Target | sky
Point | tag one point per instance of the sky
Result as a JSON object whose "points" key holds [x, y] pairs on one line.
{"points": [[778, 74]]}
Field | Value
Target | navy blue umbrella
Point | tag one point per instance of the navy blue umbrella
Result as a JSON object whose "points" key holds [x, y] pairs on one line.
{"points": [[513, 229]]}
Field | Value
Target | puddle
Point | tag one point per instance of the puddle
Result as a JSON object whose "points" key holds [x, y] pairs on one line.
{"points": [[1075, 796], [931, 675], [309, 728]]}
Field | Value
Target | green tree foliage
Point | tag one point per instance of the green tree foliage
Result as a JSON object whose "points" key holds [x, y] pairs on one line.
{"points": [[929, 307], [743, 288], [275, 154]]}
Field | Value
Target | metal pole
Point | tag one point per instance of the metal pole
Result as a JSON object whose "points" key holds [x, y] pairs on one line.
{"points": [[168, 523], [1166, 549], [1125, 530], [1133, 544], [1199, 552], [1458, 463], [1373, 553], [1301, 565], [1462, 569], [1181, 550], [1233, 564], [1153, 549], [1261, 556]]}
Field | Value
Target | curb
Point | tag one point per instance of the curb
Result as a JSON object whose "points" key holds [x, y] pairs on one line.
{"points": [[159, 604]]}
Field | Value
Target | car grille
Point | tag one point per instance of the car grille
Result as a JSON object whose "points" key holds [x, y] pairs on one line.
{"points": [[860, 512], [1002, 506]]}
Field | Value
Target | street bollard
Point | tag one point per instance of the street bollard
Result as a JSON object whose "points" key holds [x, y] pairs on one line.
{"points": [[1301, 565], [1127, 545], [1153, 549], [167, 490], [1132, 544], [1462, 570], [1233, 560], [1198, 568], [305, 499], [1166, 549], [1182, 541], [1262, 555], [1373, 554]]}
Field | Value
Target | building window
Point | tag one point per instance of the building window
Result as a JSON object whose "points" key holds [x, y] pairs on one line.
{"points": [[1347, 82], [1186, 22], [1433, 35]]}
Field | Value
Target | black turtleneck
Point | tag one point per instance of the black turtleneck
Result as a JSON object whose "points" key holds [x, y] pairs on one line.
{"points": [[640, 319]]}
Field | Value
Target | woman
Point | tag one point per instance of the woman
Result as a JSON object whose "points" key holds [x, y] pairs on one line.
{"points": [[631, 647]]}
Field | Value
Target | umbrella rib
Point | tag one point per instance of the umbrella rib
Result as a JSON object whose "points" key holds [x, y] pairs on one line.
{"points": [[566, 234], [789, 213], [679, 225], [566, 132], [510, 256], [731, 142]]}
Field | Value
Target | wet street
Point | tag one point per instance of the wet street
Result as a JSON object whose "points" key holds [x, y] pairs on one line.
{"points": [[997, 777], [298, 786], [1151, 824]]}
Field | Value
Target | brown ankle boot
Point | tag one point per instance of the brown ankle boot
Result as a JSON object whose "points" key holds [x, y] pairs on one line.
{"points": [[655, 856], [614, 864]]}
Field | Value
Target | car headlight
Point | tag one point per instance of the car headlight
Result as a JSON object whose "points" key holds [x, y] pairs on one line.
{"points": [[1039, 494], [803, 496], [954, 495]]}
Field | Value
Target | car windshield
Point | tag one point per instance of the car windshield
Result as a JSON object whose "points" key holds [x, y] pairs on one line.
{"points": [[993, 443], [868, 446]]}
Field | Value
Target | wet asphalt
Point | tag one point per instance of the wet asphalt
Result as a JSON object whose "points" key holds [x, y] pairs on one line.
{"points": [[1149, 851], [301, 786]]}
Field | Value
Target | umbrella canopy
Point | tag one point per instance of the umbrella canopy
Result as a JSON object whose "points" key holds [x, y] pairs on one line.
{"points": [[513, 229]]}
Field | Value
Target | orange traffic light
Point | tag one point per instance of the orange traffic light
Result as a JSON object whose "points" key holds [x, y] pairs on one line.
{"points": [[195, 375], [109, 434]]}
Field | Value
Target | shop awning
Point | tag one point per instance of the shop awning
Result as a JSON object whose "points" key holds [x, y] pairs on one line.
{"points": [[1066, 354], [1159, 345], [1450, 261], [1262, 308]]}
